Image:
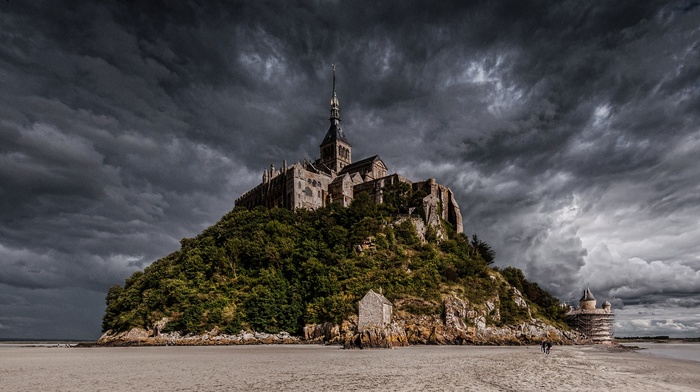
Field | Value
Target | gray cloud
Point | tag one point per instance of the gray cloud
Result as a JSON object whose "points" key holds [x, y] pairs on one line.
{"points": [[568, 130]]}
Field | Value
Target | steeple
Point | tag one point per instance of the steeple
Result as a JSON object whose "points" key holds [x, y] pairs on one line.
{"points": [[336, 151], [334, 132], [335, 105]]}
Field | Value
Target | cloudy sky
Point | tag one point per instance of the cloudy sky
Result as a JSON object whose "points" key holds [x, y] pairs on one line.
{"points": [[570, 131]]}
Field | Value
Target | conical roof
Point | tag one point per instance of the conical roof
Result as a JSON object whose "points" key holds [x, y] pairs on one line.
{"points": [[587, 295]]}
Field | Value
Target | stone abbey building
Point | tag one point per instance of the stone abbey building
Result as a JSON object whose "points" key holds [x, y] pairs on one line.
{"points": [[335, 178]]}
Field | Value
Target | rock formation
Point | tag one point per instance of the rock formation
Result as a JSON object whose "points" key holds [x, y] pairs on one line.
{"points": [[461, 323]]}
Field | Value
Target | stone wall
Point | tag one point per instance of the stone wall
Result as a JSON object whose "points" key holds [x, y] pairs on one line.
{"points": [[270, 193], [303, 186], [309, 189]]}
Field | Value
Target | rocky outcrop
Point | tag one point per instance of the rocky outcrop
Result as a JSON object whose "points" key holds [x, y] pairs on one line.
{"points": [[387, 336], [142, 337], [460, 322], [466, 323], [329, 333]]}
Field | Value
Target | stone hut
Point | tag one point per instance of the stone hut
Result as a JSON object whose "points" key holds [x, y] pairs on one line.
{"points": [[596, 324], [375, 311]]}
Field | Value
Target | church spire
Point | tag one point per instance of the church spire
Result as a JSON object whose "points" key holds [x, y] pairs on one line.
{"points": [[336, 152], [335, 105]]}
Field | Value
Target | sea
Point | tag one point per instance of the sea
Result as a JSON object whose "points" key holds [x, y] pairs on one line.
{"points": [[684, 351]]}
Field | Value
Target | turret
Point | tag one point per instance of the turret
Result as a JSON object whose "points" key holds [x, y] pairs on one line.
{"points": [[587, 301]]}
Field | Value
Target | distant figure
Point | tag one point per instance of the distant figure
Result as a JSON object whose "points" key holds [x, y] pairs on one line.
{"points": [[543, 346], [549, 346]]}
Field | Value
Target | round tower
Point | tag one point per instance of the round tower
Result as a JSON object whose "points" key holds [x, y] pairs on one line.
{"points": [[607, 306], [587, 301]]}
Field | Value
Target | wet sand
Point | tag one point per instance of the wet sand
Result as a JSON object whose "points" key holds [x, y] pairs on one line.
{"points": [[319, 368]]}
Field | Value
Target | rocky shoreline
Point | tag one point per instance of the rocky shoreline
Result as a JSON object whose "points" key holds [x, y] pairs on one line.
{"points": [[461, 323]]}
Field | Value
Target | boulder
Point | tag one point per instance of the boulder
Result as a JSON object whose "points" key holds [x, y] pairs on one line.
{"points": [[387, 336]]}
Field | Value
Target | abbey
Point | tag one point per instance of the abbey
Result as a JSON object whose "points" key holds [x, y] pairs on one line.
{"points": [[335, 178]]}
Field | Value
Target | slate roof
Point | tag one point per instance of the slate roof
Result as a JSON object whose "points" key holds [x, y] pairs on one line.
{"points": [[587, 296], [334, 133], [356, 165]]}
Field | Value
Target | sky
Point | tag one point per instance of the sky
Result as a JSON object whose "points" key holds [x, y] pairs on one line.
{"points": [[569, 131]]}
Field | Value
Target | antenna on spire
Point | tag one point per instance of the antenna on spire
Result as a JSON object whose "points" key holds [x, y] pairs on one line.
{"points": [[333, 66]]}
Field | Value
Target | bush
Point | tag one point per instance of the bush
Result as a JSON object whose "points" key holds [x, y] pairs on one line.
{"points": [[273, 269]]}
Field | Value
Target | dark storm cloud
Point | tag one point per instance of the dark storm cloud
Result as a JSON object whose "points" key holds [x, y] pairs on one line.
{"points": [[568, 131]]}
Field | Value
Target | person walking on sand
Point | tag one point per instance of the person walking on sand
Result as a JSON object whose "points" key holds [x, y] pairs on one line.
{"points": [[549, 346], [543, 345]]}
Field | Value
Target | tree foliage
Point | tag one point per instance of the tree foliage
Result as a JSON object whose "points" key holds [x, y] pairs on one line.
{"points": [[548, 305], [483, 249], [274, 269]]}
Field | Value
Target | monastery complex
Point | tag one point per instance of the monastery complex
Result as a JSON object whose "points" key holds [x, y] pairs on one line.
{"points": [[336, 178]]}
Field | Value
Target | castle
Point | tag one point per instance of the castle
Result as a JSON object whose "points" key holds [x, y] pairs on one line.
{"points": [[335, 178], [595, 323]]}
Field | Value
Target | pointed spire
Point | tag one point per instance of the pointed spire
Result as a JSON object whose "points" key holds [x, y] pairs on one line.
{"points": [[335, 105], [587, 295]]}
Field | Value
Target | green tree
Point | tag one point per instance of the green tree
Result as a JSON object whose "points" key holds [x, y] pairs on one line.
{"points": [[397, 197], [270, 270], [483, 249]]}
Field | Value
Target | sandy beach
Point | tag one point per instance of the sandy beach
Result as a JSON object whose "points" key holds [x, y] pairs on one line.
{"points": [[307, 368]]}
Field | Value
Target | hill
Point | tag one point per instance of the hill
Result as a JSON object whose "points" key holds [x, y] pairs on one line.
{"points": [[303, 272]]}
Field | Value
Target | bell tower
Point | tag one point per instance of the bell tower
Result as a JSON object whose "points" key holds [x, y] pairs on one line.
{"points": [[336, 151]]}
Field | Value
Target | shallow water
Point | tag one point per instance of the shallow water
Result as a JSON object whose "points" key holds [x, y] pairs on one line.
{"points": [[684, 351]]}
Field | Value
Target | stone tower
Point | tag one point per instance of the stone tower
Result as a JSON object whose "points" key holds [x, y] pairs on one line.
{"points": [[587, 301], [596, 324], [336, 152]]}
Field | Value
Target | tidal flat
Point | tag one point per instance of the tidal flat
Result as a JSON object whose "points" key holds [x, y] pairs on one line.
{"points": [[329, 368]]}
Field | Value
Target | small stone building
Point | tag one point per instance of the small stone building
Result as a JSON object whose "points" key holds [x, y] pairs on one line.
{"points": [[596, 324], [375, 311]]}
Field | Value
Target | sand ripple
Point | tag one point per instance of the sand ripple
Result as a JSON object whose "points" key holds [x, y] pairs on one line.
{"points": [[319, 368]]}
